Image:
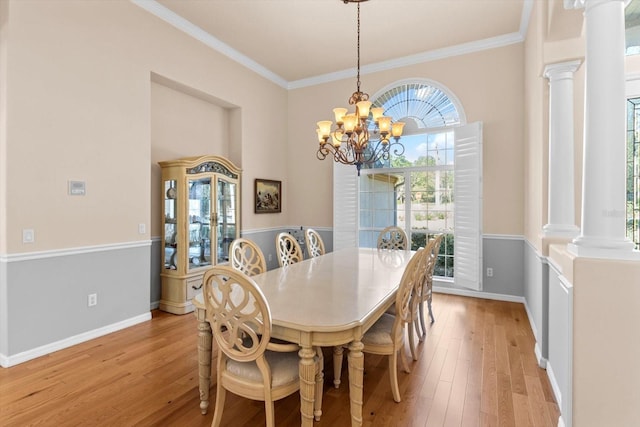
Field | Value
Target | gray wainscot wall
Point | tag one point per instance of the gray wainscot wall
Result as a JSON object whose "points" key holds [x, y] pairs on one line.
{"points": [[44, 297]]}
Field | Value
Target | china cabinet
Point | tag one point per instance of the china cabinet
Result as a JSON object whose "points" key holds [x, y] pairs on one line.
{"points": [[201, 197]]}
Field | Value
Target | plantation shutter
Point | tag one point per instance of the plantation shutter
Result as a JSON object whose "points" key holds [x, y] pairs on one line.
{"points": [[468, 206], [345, 206]]}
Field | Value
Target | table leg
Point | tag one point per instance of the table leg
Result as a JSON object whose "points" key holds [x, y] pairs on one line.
{"points": [[307, 372], [338, 350], [204, 363], [356, 371]]}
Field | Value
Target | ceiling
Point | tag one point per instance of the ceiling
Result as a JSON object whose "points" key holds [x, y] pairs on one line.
{"points": [[301, 42]]}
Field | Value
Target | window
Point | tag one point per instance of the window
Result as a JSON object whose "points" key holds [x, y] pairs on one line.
{"points": [[434, 186], [633, 171], [417, 195]]}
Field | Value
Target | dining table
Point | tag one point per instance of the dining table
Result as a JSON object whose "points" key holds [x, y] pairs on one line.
{"points": [[326, 301]]}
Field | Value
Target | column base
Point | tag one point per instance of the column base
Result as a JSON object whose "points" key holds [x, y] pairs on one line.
{"points": [[590, 247], [560, 230]]}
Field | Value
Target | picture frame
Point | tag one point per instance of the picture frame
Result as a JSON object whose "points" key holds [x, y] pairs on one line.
{"points": [[267, 196]]}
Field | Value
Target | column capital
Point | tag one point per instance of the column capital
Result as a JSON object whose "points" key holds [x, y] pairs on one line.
{"points": [[559, 69], [583, 4]]}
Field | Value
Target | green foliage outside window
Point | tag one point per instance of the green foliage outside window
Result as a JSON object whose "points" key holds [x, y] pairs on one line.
{"points": [[445, 264]]}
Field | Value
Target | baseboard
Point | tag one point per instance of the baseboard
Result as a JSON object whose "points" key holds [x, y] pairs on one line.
{"points": [[554, 385], [478, 294], [8, 361], [542, 362], [534, 329], [561, 421]]}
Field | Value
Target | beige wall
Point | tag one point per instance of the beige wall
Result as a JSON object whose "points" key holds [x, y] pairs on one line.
{"points": [[492, 93], [182, 125], [606, 375], [535, 127], [4, 34], [80, 103]]}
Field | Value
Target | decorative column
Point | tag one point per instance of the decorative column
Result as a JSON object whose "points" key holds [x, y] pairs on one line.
{"points": [[603, 180], [561, 200]]}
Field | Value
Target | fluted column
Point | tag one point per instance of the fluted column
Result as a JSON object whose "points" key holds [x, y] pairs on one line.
{"points": [[561, 199], [603, 181]]}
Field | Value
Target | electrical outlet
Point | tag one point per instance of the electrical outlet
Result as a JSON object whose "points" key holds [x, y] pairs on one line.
{"points": [[92, 300], [28, 235], [270, 257], [489, 272], [142, 228]]}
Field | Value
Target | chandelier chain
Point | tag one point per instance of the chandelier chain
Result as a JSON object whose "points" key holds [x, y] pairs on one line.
{"points": [[358, 77]]}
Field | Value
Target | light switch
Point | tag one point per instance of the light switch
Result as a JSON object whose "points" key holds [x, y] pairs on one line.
{"points": [[142, 228], [77, 188]]}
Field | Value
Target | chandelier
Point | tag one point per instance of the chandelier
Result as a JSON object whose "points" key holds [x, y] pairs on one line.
{"points": [[361, 137]]}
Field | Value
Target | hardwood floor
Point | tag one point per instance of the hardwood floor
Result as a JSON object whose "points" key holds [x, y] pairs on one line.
{"points": [[476, 368]]}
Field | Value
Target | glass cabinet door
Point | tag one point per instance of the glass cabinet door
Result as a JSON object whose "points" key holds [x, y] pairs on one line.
{"points": [[226, 220], [170, 224], [199, 222]]}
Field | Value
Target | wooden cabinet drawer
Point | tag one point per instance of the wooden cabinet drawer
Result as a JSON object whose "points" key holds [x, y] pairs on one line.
{"points": [[194, 287]]}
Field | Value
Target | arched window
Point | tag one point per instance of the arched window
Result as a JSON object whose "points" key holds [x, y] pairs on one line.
{"points": [[416, 189]]}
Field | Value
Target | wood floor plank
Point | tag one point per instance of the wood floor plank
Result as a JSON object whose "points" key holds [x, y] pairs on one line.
{"points": [[440, 403], [537, 405], [521, 410], [456, 402], [489, 397], [506, 416], [146, 375]]}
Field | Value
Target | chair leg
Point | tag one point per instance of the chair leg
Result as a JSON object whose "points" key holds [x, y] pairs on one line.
{"points": [[269, 413], [317, 405], [403, 360], [412, 344], [221, 394], [423, 328], [430, 310], [337, 365], [393, 376]]}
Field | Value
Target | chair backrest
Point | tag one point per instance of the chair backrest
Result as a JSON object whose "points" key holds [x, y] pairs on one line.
{"points": [[425, 279], [412, 273], [247, 257], [315, 245], [237, 312], [393, 237], [288, 248], [434, 249]]}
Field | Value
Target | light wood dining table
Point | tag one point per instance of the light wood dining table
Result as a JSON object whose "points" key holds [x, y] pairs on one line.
{"points": [[327, 301]]}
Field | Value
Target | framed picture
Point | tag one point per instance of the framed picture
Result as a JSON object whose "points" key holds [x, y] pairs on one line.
{"points": [[268, 196]]}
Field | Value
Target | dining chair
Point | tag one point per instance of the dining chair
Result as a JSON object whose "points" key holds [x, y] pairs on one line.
{"points": [[412, 326], [386, 336], [393, 237], [288, 248], [247, 257], [425, 288], [250, 364], [314, 243]]}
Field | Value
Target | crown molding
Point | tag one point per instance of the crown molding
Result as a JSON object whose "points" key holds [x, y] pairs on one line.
{"points": [[155, 8], [199, 34], [527, 7], [433, 55]]}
